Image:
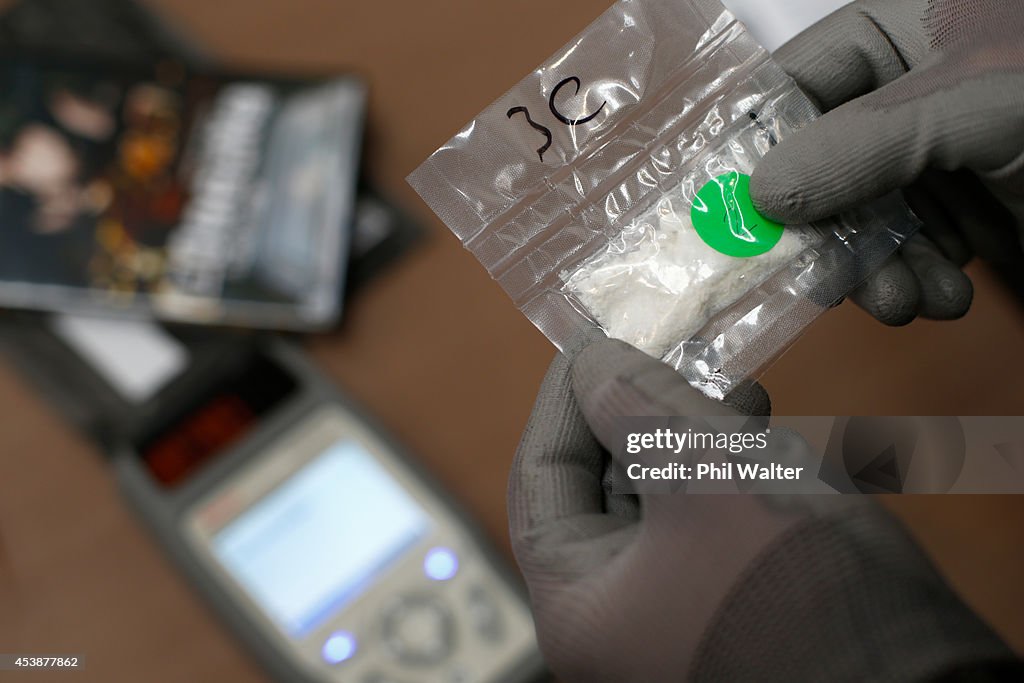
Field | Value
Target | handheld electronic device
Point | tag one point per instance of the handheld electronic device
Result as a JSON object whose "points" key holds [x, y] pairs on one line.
{"points": [[328, 552]]}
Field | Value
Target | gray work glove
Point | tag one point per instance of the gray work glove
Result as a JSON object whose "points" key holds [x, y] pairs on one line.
{"points": [[728, 588], [926, 95]]}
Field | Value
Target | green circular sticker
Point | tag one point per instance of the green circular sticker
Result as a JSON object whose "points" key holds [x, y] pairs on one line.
{"points": [[725, 218]]}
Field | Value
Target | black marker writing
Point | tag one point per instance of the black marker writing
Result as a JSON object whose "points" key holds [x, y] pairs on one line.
{"points": [[558, 115], [536, 126]]}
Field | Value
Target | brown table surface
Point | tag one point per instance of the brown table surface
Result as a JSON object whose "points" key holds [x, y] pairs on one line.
{"points": [[435, 350]]}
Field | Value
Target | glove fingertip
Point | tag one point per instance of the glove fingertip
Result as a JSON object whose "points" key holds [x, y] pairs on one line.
{"points": [[949, 295], [594, 362], [772, 198], [892, 295], [783, 187], [603, 375], [750, 398], [946, 291]]}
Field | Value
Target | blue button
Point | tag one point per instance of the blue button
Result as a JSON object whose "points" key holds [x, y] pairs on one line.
{"points": [[440, 564], [339, 647]]}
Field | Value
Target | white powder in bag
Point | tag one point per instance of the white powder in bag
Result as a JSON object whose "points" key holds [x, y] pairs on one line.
{"points": [[657, 283]]}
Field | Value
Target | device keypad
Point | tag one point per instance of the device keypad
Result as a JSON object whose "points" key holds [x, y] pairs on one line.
{"points": [[443, 626], [450, 630], [418, 630]]}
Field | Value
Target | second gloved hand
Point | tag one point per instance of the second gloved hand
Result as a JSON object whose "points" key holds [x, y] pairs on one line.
{"points": [[731, 588], [926, 95]]}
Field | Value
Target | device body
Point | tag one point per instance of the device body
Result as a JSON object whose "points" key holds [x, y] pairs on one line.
{"points": [[421, 597]]}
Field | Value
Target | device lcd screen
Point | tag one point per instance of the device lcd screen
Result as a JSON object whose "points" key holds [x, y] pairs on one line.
{"points": [[321, 537]]}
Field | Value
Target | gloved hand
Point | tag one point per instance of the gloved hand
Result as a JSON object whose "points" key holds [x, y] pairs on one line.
{"points": [[926, 95], [711, 588]]}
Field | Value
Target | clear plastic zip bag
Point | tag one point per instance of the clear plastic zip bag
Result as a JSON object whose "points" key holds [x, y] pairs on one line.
{"points": [[607, 191]]}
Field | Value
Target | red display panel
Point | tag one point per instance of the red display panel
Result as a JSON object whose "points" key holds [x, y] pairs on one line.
{"points": [[217, 422]]}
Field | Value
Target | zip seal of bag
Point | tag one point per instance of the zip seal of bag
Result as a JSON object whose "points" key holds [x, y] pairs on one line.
{"points": [[607, 194]]}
